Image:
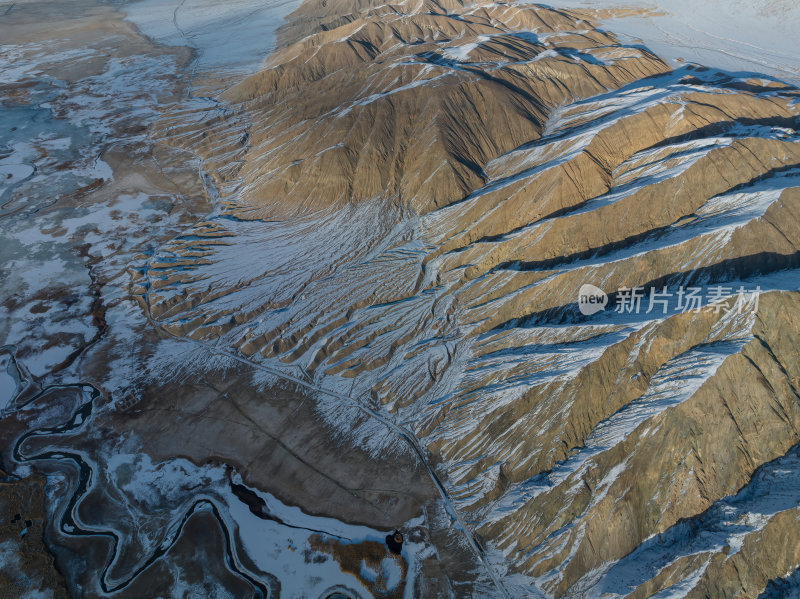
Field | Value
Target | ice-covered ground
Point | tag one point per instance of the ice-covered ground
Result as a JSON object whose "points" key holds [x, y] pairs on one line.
{"points": [[232, 36], [735, 35]]}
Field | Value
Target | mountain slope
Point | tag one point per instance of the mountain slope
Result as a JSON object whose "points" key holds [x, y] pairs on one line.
{"points": [[412, 196]]}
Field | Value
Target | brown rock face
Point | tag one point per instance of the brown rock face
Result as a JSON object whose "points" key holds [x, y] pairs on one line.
{"points": [[398, 105]]}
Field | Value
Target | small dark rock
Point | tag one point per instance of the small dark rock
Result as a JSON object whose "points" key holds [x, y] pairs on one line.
{"points": [[395, 542]]}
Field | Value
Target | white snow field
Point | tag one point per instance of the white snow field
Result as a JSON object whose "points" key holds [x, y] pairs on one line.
{"points": [[735, 35], [234, 36]]}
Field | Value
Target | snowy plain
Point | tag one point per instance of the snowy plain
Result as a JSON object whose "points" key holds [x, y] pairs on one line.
{"points": [[758, 36], [233, 36]]}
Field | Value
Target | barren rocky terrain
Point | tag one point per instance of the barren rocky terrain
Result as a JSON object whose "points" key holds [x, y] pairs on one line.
{"points": [[260, 308]]}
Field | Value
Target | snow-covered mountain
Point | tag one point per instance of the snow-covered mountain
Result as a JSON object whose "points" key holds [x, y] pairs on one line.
{"points": [[488, 273]]}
